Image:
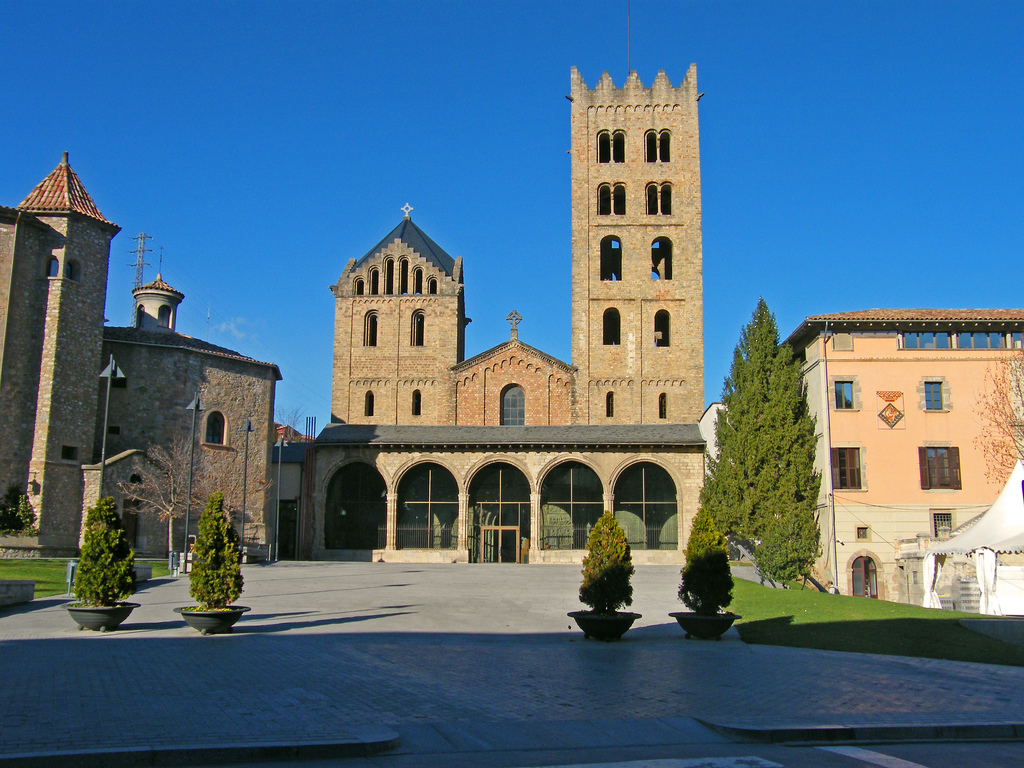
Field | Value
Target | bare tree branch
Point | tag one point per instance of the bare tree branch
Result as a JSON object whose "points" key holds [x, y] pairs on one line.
{"points": [[1000, 408]]}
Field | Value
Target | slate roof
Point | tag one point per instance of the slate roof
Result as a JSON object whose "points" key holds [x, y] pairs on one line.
{"points": [[62, 192], [893, 319], [636, 435], [177, 340], [416, 239]]}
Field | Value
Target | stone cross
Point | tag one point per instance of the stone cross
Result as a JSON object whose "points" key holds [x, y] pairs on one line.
{"points": [[514, 318], [406, 209]]}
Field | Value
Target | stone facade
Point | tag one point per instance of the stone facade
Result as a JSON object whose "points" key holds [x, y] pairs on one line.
{"points": [[513, 454]]}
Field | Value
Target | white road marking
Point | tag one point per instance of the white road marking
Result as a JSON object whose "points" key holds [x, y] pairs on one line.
{"points": [[877, 758]]}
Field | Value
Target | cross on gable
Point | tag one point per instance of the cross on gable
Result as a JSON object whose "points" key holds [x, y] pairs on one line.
{"points": [[406, 209]]}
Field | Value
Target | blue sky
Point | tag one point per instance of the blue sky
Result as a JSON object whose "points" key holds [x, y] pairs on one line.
{"points": [[854, 155]]}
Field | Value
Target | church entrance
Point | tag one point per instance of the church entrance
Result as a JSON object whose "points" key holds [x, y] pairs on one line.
{"points": [[499, 507]]}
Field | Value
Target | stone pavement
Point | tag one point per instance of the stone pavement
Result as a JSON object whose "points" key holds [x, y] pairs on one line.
{"points": [[340, 658]]}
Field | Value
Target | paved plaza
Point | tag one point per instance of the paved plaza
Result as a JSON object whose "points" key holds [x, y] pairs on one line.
{"points": [[441, 658]]}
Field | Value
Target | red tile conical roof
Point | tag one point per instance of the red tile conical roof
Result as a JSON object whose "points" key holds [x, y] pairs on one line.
{"points": [[62, 192]]}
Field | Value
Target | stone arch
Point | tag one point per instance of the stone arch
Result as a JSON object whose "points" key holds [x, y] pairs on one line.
{"points": [[645, 511], [427, 515], [355, 506]]}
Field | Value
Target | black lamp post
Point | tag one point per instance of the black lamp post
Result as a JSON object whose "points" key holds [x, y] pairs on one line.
{"points": [[196, 407], [247, 428], [277, 516], [110, 373]]}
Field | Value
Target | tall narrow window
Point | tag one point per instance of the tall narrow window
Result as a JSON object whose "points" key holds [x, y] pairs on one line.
{"points": [[846, 468], [652, 199], [140, 314], [604, 200], [417, 402], [418, 321], [72, 270], [844, 395], [604, 147], [940, 468], [215, 428], [370, 330], [618, 147], [53, 268], [359, 287], [663, 406], [651, 147], [609, 405], [403, 278], [389, 277], [619, 200], [933, 396], [611, 327], [662, 321], [666, 199], [665, 147], [163, 317], [417, 281], [661, 259], [374, 282], [432, 286], [611, 258], [368, 404], [513, 406]]}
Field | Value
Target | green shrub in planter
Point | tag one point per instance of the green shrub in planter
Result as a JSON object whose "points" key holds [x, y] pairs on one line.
{"points": [[707, 581], [216, 577], [607, 568], [106, 566]]}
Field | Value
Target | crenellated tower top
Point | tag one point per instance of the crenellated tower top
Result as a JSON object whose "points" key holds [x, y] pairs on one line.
{"points": [[633, 93]]}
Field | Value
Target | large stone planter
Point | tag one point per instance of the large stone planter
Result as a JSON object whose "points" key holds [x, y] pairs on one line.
{"points": [[103, 618], [605, 628], [704, 627], [212, 622]]}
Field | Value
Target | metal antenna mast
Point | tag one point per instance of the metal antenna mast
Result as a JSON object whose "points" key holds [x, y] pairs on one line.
{"points": [[629, 62], [140, 261]]}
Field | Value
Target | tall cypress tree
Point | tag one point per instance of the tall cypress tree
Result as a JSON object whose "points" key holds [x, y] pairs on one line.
{"points": [[763, 485]]}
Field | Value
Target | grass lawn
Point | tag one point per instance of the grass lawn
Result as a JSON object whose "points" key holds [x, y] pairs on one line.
{"points": [[804, 618], [50, 575]]}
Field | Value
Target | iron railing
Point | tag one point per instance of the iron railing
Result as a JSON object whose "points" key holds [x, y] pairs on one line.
{"points": [[576, 536]]}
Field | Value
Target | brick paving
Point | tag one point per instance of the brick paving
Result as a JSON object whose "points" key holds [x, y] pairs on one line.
{"points": [[336, 649]]}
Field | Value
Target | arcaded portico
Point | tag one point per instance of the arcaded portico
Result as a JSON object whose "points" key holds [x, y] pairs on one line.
{"points": [[502, 494]]}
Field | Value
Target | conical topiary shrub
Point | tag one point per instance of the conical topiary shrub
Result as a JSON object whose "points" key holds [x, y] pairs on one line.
{"points": [[706, 579], [607, 568], [216, 577], [106, 566]]}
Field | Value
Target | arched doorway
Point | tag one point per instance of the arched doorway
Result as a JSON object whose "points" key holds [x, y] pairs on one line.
{"points": [[571, 503], [646, 508], [428, 509], [865, 582], [499, 515], [355, 515]]}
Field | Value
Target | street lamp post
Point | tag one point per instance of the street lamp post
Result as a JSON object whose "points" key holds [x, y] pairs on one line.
{"points": [[277, 516], [247, 428], [196, 407], [110, 373]]}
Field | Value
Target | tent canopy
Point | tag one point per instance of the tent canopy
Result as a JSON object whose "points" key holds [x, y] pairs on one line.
{"points": [[1000, 528]]}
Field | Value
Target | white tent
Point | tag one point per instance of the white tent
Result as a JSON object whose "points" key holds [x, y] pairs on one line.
{"points": [[999, 529]]}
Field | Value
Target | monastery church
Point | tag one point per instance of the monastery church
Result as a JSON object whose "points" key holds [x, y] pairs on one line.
{"points": [[512, 455]]}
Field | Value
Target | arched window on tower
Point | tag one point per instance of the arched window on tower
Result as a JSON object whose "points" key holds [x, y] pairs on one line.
{"points": [[389, 277], [418, 322], [360, 286], [611, 258], [666, 199], [53, 268], [140, 313], [432, 286], [661, 259], [619, 200], [374, 282], [659, 200], [370, 330], [403, 280], [652, 199], [609, 405], [604, 200], [619, 147], [215, 428], [417, 403], [513, 406], [368, 404], [73, 270], [604, 147], [611, 325], [665, 146], [663, 406], [163, 317], [657, 146], [417, 281], [662, 322]]}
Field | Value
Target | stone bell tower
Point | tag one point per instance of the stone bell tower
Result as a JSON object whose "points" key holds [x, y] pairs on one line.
{"points": [[637, 290]]}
